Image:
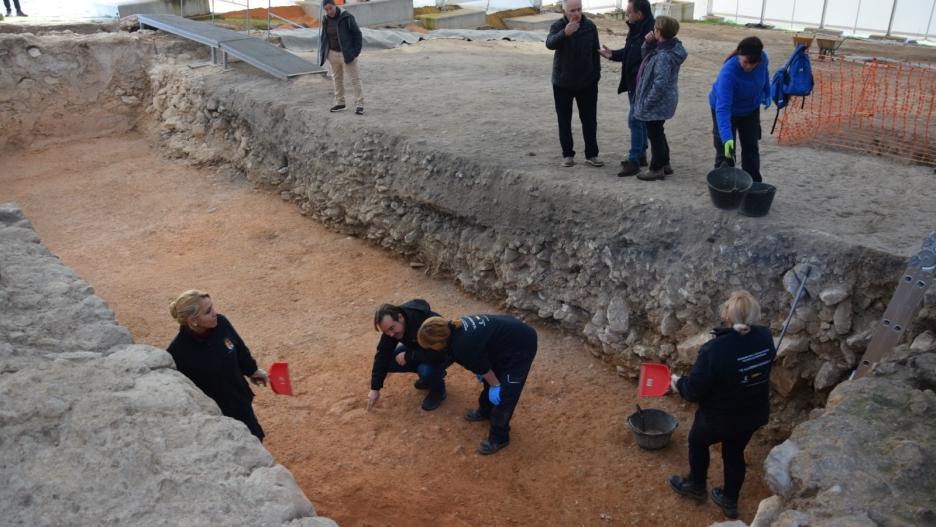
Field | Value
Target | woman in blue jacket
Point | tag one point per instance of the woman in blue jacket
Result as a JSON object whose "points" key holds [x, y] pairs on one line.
{"points": [[499, 349], [743, 84], [730, 381]]}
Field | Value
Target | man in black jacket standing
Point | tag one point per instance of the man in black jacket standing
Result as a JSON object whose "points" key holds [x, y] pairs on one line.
{"points": [[575, 74], [399, 352], [340, 42], [640, 23]]}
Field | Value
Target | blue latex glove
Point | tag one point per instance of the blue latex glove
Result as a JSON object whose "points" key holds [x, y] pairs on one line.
{"points": [[494, 395], [480, 378]]}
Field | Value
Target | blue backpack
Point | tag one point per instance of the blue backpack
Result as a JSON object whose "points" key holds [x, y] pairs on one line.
{"points": [[794, 79]]}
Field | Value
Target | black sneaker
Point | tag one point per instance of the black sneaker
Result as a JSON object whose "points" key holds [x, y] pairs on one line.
{"points": [[359, 110], [629, 168], [488, 447], [433, 401], [473, 416], [20, 13], [668, 170], [643, 161], [687, 488], [728, 506], [337, 108]]}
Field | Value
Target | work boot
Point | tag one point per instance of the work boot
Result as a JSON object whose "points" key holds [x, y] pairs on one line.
{"points": [[687, 488], [651, 175], [629, 168], [488, 447], [337, 108], [433, 401], [668, 170], [728, 505], [594, 161], [473, 416], [568, 161]]}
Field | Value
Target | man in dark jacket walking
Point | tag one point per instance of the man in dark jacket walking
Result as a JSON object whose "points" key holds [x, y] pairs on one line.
{"points": [[399, 352], [640, 23], [340, 42], [575, 74]]}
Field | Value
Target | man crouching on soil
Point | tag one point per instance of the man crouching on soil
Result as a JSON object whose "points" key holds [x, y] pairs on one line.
{"points": [[399, 352]]}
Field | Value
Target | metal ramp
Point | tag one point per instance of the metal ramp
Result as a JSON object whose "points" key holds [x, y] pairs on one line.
{"points": [[258, 53]]}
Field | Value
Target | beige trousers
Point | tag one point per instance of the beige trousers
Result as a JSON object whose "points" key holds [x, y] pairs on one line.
{"points": [[338, 67]]}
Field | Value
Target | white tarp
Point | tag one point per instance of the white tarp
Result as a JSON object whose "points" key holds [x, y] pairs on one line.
{"points": [[308, 39]]}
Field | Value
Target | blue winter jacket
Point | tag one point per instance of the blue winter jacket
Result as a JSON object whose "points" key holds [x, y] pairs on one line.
{"points": [[657, 94], [737, 93]]}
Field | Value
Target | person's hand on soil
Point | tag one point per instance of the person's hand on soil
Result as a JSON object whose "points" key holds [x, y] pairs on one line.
{"points": [[373, 397], [401, 359], [494, 395], [729, 149], [259, 377], [571, 27], [605, 52]]}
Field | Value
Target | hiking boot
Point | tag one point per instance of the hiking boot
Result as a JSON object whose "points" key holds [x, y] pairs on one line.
{"points": [[643, 161], [488, 447], [337, 108], [629, 168], [433, 401], [421, 384], [359, 110], [668, 170], [728, 505], [594, 161], [687, 488], [473, 416], [651, 175], [568, 161]]}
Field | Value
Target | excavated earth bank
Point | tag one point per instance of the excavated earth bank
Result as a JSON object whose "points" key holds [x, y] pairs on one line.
{"points": [[468, 189]]}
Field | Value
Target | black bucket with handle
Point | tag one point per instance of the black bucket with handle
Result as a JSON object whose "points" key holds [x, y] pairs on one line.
{"points": [[727, 185], [757, 201]]}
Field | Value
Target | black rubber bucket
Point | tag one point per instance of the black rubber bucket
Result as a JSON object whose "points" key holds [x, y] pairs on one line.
{"points": [[757, 201], [652, 428], [728, 185]]}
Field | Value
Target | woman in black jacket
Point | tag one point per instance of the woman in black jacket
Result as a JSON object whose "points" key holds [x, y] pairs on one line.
{"points": [[730, 381], [499, 349], [208, 351]]}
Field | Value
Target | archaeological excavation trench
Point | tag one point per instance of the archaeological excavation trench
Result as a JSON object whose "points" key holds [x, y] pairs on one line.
{"points": [[148, 174]]}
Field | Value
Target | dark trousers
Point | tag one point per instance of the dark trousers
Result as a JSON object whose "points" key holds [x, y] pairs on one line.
{"points": [[748, 131], [659, 148], [6, 4], [587, 101], [245, 414], [512, 380], [431, 374], [704, 434]]}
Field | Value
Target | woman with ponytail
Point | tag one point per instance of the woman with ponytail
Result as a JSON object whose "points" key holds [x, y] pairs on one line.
{"points": [[730, 381], [499, 349], [208, 351]]}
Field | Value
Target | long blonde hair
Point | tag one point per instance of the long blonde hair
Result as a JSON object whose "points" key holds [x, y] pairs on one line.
{"points": [[741, 311], [436, 330], [187, 305]]}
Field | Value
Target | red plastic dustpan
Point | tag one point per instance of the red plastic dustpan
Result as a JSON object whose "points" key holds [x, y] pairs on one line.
{"points": [[279, 378], [654, 380]]}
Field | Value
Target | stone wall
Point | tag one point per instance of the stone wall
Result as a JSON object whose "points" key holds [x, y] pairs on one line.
{"points": [[95, 430], [638, 279]]}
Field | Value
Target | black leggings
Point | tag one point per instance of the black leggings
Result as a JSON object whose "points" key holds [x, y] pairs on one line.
{"points": [[659, 148], [705, 434], [748, 130]]}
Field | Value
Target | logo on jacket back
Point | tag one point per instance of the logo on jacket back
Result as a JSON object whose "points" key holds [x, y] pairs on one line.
{"points": [[473, 322], [754, 367], [229, 345]]}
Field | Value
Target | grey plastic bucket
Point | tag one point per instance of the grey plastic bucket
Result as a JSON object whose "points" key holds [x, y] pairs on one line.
{"points": [[653, 429]]}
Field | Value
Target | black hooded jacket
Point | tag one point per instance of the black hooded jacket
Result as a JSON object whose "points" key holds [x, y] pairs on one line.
{"points": [[415, 312], [576, 63], [492, 342], [630, 53]]}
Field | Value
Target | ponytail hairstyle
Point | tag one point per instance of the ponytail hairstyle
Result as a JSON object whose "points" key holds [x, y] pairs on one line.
{"points": [[187, 305], [741, 311], [435, 331], [750, 47]]}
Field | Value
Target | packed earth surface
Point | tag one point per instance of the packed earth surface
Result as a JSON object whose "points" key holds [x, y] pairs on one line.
{"points": [[141, 227]]}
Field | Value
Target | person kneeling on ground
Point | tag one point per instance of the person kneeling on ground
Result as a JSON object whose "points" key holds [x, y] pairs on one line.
{"points": [[340, 42], [399, 352], [657, 91], [730, 381], [208, 351], [499, 349], [575, 74]]}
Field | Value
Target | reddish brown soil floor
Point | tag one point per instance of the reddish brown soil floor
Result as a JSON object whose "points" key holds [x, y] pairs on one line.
{"points": [[141, 228]]}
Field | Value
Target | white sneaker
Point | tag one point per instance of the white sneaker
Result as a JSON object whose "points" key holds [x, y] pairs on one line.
{"points": [[568, 161], [594, 161]]}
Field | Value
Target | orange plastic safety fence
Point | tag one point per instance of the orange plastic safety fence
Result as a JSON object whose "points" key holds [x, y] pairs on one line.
{"points": [[868, 106]]}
